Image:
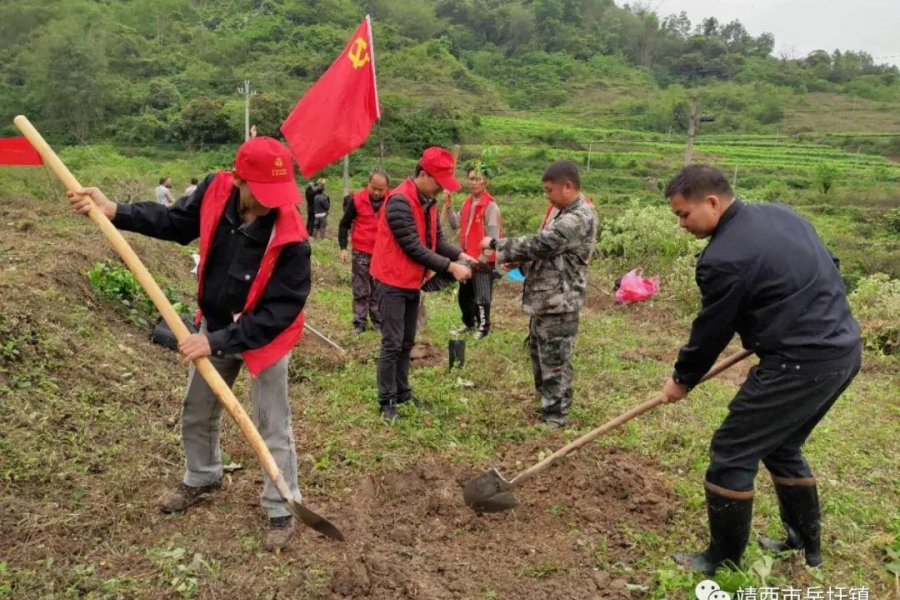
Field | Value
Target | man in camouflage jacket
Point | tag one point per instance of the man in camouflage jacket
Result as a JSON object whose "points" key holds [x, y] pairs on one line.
{"points": [[555, 263]]}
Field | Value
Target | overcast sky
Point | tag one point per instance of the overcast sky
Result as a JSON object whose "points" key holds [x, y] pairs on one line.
{"points": [[801, 26]]}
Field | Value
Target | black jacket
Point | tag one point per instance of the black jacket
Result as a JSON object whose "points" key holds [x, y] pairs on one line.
{"points": [[235, 254], [767, 276], [321, 203], [403, 225]]}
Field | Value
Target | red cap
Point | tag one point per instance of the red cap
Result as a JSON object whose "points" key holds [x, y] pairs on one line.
{"points": [[267, 167], [440, 164]]}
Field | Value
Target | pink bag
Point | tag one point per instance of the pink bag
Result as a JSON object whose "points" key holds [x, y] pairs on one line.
{"points": [[634, 287]]}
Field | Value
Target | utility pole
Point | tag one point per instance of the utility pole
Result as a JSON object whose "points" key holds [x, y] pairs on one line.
{"points": [[247, 92], [346, 175], [692, 131], [696, 119]]}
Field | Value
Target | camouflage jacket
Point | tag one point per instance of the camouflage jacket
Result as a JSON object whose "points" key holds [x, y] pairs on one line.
{"points": [[555, 260]]}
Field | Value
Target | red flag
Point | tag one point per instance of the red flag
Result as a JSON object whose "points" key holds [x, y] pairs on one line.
{"points": [[336, 114], [18, 151]]}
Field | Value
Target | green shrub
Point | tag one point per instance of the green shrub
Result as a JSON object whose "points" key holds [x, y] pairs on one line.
{"points": [[892, 220], [876, 303], [825, 176], [118, 286], [775, 190], [646, 236]]}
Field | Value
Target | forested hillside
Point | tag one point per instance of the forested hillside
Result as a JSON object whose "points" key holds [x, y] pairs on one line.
{"points": [[167, 72]]}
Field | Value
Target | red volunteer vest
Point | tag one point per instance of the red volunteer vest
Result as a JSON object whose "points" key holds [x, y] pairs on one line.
{"points": [[288, 229], [390, 264], [471, 242], [365, 226]]}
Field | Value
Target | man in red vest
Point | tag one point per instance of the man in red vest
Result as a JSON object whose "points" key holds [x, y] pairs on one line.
{"points": [[478, 217], [253, 281], [361, 216], [408, 245]]}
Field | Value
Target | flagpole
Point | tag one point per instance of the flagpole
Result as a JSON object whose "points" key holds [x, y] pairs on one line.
{"points": [[372, 56], [377, 103]]}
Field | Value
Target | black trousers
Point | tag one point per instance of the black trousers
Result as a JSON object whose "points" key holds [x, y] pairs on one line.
{"points": [[771, 417], [475, 301], [398, 309]]}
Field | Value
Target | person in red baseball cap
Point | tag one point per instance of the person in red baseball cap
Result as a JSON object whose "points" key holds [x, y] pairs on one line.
{"points": [[409, 243], [253, 282]]}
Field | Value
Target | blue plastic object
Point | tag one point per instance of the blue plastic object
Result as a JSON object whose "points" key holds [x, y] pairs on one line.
{"points": [[515, 275]]}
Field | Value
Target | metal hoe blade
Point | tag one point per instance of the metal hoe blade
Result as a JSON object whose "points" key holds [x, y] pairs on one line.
{"points": [[314, 520], [489, 493]]}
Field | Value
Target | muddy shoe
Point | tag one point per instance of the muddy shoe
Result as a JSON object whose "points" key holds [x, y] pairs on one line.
{"points": [[184, 496], [281, 532]]}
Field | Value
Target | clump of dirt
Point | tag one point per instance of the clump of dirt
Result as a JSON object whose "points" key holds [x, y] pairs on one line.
{"points": [[424, 353]]}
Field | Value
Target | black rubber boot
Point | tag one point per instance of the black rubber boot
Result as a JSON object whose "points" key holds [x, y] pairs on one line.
{"points": [[729, 530], [798, 503]]}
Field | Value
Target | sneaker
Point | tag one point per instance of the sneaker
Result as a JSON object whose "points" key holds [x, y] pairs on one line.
{"points": [[281, 532], [185, 496], [358, 330], [389, 414], [461, 330], [480, 335]]}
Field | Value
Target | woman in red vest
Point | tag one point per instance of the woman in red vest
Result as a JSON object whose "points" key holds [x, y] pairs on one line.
{"points": [[478, 218], [361, 217], [253, 281]]}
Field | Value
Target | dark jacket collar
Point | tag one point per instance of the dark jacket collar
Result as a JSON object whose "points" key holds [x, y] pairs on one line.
{"points": [[728, 216]]}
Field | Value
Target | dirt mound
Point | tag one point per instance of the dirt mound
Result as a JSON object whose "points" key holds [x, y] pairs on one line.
{"points": [[411, 536]]}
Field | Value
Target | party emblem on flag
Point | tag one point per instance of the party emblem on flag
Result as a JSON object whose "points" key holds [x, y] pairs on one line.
{"points": [[359, 55]]}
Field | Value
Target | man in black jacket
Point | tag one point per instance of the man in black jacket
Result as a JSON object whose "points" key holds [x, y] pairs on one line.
{"points": [[766, 275], [254, 279], [312, 188], [408, 244]]}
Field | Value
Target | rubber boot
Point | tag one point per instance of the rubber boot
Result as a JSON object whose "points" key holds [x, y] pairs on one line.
{"points": [[729, 530], [798, 503]]}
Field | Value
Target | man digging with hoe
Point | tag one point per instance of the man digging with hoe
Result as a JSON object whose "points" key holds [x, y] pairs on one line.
{"points": [[766, 275], [253, 281]]}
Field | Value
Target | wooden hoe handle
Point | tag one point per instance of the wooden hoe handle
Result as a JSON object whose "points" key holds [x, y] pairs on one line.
{"points": [[203, 365], [618, 421]]}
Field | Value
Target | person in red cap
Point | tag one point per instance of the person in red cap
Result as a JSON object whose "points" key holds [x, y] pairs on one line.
{"points": [[409, 243], [253, 282]]}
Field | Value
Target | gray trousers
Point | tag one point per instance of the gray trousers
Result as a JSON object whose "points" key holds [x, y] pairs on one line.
{"points": [[365, 303], [201, 422]]}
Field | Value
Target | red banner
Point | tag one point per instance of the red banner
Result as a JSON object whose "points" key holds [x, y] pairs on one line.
{"points": [[18, 151], [336, 114]]}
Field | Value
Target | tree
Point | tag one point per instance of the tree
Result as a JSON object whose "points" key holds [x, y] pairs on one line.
{"points": [[203, 122], [64, 60]]}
